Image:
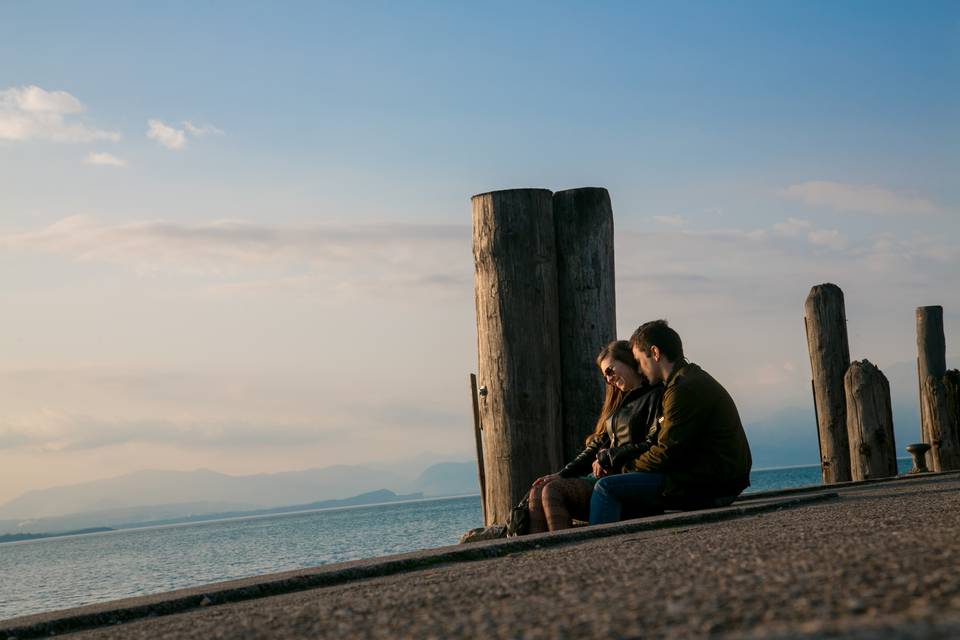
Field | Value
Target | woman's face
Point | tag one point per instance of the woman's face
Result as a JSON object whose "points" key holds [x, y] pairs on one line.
{"points": [[620, 375]]}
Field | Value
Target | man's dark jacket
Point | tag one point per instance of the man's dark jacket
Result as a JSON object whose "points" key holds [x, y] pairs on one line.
{"points": [[628, 432], [701, 447]]}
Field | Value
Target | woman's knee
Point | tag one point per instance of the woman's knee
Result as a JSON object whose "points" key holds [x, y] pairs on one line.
{"points": [[551, 491]]}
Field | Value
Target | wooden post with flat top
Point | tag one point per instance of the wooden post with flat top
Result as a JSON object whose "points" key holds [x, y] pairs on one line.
{"points": [[515, 285], [826, 325], [936, 424], [583, 220]]}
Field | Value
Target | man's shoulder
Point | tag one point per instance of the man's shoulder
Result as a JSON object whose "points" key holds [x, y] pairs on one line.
{"points": [[691, 373], [692, 379]]}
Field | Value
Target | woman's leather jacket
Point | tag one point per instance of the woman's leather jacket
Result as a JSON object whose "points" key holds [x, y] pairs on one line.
{"points": [[629, 432]]}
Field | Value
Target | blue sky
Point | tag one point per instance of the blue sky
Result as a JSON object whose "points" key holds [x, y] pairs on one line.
{"points": [[302, 207]]}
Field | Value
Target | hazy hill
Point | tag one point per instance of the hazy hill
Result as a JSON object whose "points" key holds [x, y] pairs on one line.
{"points": [[448, 478], [224, 491], [152, 515], [112, 517]]}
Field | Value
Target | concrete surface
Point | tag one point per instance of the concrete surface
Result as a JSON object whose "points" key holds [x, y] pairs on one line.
{"points": [[880, 560]]}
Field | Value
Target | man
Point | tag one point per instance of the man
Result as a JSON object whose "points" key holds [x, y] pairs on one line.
{"points": [[700, 458]]}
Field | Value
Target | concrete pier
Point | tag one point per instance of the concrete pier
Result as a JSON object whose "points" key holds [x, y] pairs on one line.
{"points": [[872, 560]]}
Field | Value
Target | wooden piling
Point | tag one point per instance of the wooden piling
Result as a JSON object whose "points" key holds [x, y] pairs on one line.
{"points": [[951, 384], [478, 436], [826, 325], [515, 278], [873, 452], [944, 452], [935, 427], [931, 342], [583, 221]]}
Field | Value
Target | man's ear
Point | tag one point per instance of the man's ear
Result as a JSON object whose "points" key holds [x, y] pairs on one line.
{"points": [[655, 353]]}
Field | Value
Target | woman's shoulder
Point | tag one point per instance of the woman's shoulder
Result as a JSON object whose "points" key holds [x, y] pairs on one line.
{"points": [[645, 391]]}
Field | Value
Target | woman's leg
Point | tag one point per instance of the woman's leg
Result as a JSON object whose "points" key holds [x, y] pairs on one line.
{"points": [[565, 499], [538, 521], [638, 490]]}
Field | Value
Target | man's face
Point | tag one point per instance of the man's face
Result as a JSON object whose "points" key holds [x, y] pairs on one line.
{"points": [[649, 364]]}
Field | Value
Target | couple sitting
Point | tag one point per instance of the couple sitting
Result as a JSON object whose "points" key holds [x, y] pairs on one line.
{"points": [[668, 437]]}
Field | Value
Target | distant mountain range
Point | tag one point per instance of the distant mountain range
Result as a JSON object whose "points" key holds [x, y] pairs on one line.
{"points": [[157, 515], [159, 497]]}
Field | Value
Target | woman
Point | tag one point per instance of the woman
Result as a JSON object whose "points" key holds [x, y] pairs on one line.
{"points": [[626, 420]]}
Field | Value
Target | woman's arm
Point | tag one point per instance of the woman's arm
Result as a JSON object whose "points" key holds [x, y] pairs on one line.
{"points": [[583, 463], [643, 430]]}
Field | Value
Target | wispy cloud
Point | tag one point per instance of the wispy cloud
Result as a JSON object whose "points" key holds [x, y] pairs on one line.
{"points": [[791, 227], [48, 430], [173, 138], [671, 221], [202, 130], [32, 113], [103, 159], [166, 135], [266, 257], [828, 238], [859, 199]]}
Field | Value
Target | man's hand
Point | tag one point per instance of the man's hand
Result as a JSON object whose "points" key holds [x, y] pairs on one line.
{"points": [[542, 480]]}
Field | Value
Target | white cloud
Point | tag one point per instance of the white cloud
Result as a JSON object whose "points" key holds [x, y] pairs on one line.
{"points": [[173, 138], [859, 199], [376, 258], [202, 130], [104, 159], [828, 238], [32, 113], [791, 227], [166, 135], [671, 221]]}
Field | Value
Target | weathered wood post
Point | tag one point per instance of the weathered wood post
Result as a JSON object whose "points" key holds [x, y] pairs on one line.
{"points": [[873, 452], [515, 278], [936, 426], [826, 324], [583, 220], [478, 438], [951, 384]]}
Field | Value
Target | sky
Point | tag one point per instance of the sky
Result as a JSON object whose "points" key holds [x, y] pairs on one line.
{"points": [[237, 235]]}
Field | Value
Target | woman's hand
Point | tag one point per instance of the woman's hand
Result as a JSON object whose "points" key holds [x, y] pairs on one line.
{"points": [[598, 471], [539, 482]]}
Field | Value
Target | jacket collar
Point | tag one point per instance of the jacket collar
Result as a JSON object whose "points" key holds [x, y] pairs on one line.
{"points": [[642, 390], [677, 366]]}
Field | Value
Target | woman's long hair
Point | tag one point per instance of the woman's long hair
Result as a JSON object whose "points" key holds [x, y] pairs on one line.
{"points": [[619, 350]]}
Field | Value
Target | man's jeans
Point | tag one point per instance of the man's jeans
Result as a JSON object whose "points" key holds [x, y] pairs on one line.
{"points": [[634, 492]]}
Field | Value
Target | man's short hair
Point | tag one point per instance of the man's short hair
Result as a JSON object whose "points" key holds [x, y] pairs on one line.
{"points": [[659, 334]]}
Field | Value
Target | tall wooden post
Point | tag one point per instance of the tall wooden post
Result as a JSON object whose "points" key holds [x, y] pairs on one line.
{"points": [[935, 420], [583, 220], [873, 452], [826, 324], [514, 252]]}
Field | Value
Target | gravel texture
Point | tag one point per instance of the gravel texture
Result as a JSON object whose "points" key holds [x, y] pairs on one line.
{"points": [[881, 561]]}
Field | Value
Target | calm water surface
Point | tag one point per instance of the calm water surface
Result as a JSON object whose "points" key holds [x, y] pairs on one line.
{"points": [[58, 573]]}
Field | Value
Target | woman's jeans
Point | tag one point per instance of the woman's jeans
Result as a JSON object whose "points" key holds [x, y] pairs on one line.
{"points": [[634, 492]]}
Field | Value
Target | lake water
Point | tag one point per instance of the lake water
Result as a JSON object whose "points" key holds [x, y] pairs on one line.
{"points": [[58, 573]]}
